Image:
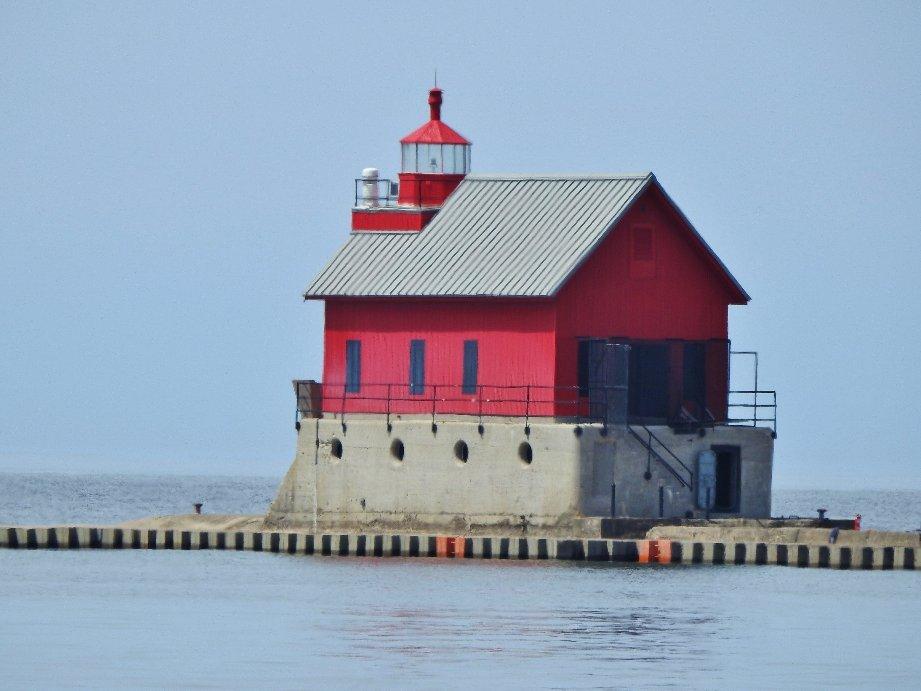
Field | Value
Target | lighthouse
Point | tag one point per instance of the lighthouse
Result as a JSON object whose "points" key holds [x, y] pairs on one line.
{"points": [[539, 350], [434, 159]]}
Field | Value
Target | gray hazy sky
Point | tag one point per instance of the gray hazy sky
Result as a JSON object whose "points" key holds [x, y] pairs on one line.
{"points": [[172, 175]]}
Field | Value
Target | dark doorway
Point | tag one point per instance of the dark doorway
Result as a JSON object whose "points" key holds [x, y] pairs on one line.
{"points": [[648, 388], [728, 479]]}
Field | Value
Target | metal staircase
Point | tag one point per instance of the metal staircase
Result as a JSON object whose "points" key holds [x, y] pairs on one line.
{"points": [[675, 465]]}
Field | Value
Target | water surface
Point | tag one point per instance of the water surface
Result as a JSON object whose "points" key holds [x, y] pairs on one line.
{"points": [[164, 619]]}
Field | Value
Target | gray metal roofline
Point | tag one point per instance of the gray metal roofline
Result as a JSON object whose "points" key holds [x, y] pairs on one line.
{"points": [[508, 177], [385, 232], [421, 296]]}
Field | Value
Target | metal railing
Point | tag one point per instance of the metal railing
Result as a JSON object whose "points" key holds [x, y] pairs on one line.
{"points": [[745, 407], [762, 411], [483, 400], [385, 192]]}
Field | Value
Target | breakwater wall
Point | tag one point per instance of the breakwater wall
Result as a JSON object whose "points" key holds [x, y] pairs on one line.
{"points": [[660, 551]]}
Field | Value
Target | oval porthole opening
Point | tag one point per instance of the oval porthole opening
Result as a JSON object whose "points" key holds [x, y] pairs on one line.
{"points": [[525, 453], [335, 448], [461, 452], [397, 450]]}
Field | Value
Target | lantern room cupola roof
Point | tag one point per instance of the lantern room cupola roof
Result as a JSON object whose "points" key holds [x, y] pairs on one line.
{"points": [[434, 131]]}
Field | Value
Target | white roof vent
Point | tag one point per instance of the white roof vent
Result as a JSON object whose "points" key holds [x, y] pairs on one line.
{"points": [[370, 195]]}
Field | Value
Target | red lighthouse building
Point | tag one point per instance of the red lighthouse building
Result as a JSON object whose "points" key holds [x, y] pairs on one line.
{"points": [[492, 294], [520, 354]]}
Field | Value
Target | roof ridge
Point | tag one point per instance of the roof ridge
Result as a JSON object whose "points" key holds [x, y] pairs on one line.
{"points": [[505, 177]]}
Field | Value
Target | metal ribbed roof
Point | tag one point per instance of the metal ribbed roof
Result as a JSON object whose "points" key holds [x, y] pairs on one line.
{"points": [[502, 236]]}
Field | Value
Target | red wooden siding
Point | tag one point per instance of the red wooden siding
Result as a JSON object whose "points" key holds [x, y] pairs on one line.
{"points": [[427, 189], [631, 288], [516, 347], [649, 280], [390, 219]]}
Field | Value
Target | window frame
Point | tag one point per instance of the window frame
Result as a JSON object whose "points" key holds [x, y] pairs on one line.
{"points": [[471, 367], [352, 365], [417, 367]]}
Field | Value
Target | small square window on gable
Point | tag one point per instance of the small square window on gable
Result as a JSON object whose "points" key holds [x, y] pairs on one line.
{"points": [[642, 252]]}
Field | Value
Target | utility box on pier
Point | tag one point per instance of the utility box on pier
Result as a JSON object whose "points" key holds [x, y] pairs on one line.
{"points": [[706, 479]]}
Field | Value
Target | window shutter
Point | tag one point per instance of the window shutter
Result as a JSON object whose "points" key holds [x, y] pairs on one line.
{"points": [[352, 366], [471, 364], [416, 367]]}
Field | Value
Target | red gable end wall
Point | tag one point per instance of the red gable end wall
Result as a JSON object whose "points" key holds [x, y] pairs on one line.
{"points": [[677, 293], [516, 343]]}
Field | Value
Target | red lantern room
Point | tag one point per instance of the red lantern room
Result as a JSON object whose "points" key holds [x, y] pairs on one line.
{"points": [[435, 158]]}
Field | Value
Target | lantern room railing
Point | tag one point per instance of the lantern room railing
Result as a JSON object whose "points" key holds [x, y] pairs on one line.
{"points": [[371, 193]]}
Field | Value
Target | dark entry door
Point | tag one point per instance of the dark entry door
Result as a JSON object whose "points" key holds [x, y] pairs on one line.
{"points": [[728, 479], [649, 382]]}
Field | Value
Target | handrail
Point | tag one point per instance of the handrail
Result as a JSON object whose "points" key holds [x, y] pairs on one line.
{"points": [[385, 195], [652, 453], [671, 453], [747, 407], [769, 409], [507, 400]]}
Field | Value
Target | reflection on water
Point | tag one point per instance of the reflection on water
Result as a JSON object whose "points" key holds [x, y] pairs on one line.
{"points": [[639, 633]]}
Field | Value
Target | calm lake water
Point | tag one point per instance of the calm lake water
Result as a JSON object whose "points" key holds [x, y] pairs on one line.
{"points": [[108, 619]]}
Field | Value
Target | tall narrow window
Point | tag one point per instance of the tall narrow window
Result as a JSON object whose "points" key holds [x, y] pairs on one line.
{"points": [[471, 364], [416, 367], [352, 366]]}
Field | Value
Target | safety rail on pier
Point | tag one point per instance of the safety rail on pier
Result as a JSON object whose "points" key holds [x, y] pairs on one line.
{"points": [[570, 403]]}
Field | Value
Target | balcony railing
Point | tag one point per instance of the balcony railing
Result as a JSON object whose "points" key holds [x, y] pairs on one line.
{"points": [[753, 408], [757, 408], [483, 400], [371, 193]]}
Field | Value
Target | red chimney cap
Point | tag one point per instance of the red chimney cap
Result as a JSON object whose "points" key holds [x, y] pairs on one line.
{"points": [[435, 103], [434, 131]]}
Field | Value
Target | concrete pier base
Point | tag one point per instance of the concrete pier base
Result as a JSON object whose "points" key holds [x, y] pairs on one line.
{"points": [[536, 476]]}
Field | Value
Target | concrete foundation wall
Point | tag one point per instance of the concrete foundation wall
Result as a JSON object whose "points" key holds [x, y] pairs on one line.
{"points": [[565, 489]]}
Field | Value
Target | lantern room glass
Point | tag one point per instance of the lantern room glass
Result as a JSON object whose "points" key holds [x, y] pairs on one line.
{"points": [[448, 159]]}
